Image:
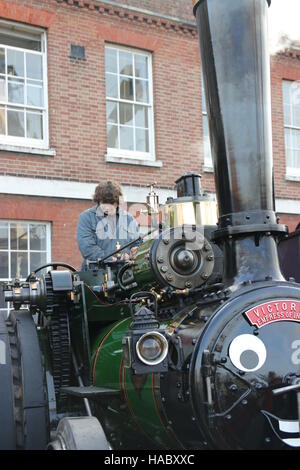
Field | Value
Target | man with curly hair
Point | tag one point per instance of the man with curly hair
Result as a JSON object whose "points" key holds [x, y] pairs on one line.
{"points": [[104, 227]]}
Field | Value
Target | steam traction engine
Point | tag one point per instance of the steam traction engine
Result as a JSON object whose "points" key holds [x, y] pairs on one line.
{"points": [[195, 343]]}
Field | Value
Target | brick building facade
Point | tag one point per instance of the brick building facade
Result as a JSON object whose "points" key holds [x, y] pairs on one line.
{"points": [[94, 90]]}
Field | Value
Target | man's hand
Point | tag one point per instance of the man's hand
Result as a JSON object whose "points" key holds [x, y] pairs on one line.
{"points": [[125, 257], [133, 251]]}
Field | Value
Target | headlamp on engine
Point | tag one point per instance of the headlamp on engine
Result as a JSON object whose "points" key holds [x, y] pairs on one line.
{"points": [[152, 348]]}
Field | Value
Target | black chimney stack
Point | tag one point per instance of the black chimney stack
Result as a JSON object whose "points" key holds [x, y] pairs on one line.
{"points": [[236, 70]]}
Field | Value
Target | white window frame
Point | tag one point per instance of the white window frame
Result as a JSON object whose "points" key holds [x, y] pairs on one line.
{"points": [[28, 223], [48, 247], [131, 154], [17, 30], [291, 172]]}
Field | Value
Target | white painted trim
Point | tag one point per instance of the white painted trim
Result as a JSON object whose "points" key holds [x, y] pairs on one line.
{"points": [[288, 206], [70, 189], [121, 153], [76, 190], [25, 142], [33, 151], [132, 161]]}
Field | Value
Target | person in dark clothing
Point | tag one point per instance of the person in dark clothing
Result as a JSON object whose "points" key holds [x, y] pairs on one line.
{"points": [[105, 226]]}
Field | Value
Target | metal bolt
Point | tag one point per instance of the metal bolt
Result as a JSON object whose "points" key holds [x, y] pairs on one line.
{"points": [[188, 284], [244, 402], [258, 386], [233, 388], [166, 241], [164, 269], [194, 341], [169, 277], [228, 417], [160, 260], [210, 258], [204, 276], [163, 399], [223, 360]]}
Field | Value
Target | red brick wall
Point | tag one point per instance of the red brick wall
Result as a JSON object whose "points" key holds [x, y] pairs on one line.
{"points": [[63, 215], [291, 220], [77, 107], [177, 8], [283, 67], [77, 95]]}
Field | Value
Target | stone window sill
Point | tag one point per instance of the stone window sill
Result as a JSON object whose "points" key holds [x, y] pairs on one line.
{"points": [[207, 169], [132, 161], [32, 151], [290, 177]]}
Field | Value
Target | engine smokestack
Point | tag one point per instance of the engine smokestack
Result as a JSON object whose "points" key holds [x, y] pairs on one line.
{"points": [[236, 70]]}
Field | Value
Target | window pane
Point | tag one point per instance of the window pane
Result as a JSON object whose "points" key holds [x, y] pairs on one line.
{"points": [[16, 91], [126, 114], [126, 63], [111, 86], [286, 91], [112, 112], [141, 66], [37, 237], [37, 260], [4, 237], [111, 64], [141, 91], [15, 123], [287, 111], [34, 125], [2, 89], [18, 237], [206, 142], [15, 63], [126, 88], [142, 140], [141, 116], [34, 67], [19, 265], [203, 98], [35, 94], [23, 42], [2, 61], [3, 265], [292, 142], [126, 138], [296, 115], [112, 137], [2, 121]]}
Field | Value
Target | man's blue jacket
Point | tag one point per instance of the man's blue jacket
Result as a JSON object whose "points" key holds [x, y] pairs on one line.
{"points": [[97, 234]]}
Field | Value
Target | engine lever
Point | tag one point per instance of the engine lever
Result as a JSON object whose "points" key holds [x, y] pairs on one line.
{"points": [[295, 387], [288, 388]]}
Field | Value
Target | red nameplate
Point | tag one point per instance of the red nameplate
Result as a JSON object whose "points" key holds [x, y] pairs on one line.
{"points": [[270, 312]]}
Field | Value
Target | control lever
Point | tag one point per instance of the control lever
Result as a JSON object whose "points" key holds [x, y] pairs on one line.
{"points": [[294, 387]]}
